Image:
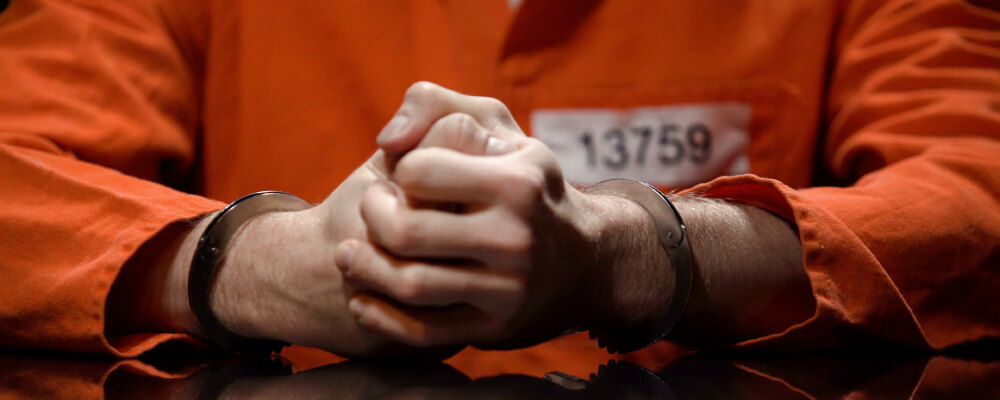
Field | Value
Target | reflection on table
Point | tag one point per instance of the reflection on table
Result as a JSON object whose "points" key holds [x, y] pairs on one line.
{"points": [[817, 376]]}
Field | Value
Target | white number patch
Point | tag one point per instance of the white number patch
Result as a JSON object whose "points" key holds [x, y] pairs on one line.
{"points": [[670, 146]]}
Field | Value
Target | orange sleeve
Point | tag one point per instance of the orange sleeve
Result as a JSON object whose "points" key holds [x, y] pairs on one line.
{"points": [[97, 101], [910, 251]]}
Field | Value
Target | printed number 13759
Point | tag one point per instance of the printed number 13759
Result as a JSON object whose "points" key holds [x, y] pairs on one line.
{"points": [[617, 148]]}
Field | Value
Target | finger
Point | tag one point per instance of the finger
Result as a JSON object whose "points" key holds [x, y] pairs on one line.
{"points": [[439, 174], [425, 103], [421, 284], [488, 236], [461, 132], [419, 327], [430, 233]]}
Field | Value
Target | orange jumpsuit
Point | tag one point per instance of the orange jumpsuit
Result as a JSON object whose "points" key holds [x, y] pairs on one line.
{"points": [[873, 126]]}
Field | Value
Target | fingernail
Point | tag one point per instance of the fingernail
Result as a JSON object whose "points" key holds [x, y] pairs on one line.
{"points": [[344, 254], [393, 130], [496, 146]]}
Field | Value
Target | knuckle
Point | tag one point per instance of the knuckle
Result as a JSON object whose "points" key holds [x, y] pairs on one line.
{"points": [[461, 123], [517, 244], [496, 110], [401, 234], [410, 171], [420, 89], [524, 185], [533, 179], [539, 152], [360, 263], [492, 104], [521, 246], [546, 166], [412, 285], [455, 119], [368, 207], [450, 131], [469, 134]]}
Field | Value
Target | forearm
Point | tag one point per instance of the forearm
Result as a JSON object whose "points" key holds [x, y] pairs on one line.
{"points": [[748, 275]]}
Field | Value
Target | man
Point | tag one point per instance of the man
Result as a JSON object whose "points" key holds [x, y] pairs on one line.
{"points": [[497, 248]]}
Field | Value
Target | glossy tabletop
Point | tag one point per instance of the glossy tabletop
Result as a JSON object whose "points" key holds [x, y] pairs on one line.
{"points": [[972, 374]]}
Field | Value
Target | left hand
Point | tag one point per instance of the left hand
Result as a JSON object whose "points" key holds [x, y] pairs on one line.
{"points": [[524, 257]]}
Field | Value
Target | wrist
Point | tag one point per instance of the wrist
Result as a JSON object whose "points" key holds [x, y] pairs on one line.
{"points": [[228, 285], [635, 279], [175, 298], [236, 298], [213, 249]]}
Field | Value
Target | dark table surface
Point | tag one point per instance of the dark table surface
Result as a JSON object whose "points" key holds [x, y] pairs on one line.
{"points": [[831, 375]]}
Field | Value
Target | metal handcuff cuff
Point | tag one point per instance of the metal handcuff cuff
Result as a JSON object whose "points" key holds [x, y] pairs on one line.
{"points": [[673, 237], [212, 250]]}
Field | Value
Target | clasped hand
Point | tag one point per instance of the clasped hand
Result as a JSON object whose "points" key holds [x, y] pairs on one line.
{"points": [[476, 238]]}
